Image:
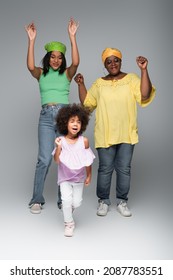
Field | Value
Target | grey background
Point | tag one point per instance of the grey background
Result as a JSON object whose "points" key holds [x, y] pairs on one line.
{"points": [[136, 27]]}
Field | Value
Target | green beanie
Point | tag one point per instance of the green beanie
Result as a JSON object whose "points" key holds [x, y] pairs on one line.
{"points": [[55, 46]]}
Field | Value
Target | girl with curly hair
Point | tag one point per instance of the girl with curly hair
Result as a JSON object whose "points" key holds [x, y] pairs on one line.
{"points": [[74, 158]]}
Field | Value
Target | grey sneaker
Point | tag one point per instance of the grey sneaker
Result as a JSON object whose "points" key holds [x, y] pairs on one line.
{"points": [[36, 208], [102, 209], [123, 209], [69, 229]]}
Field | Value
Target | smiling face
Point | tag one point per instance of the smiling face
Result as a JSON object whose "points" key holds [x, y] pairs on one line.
{"points": [[55, 60], [74, 126], [113, 65]]}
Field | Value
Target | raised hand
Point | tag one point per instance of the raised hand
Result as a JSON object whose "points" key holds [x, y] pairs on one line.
{"points": [[58, 141], [72, 26], [31, 30], [79, 79], [142, 62]]}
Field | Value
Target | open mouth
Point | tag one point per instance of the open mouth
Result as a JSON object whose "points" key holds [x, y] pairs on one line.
{"points": [[74, 129]]}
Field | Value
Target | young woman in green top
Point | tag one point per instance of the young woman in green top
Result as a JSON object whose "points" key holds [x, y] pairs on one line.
{"points": [[54, 79], [114, 97]]}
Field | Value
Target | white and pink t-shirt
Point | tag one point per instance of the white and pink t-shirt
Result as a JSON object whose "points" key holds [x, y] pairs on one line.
{"points": [[73, 160]]}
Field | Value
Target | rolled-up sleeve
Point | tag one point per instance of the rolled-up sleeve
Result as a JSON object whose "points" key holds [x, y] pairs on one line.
{"points": [[91, 97], [137, 93]]}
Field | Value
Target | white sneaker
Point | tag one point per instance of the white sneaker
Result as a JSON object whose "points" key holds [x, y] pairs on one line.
{"points": [[35, 208], [69, 228], [102, 209], [123, 209]]}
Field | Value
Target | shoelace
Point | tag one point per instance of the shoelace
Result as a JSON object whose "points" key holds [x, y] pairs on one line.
{"points": [[37, 205], [69, 226], [101, 206], [124, 205]]}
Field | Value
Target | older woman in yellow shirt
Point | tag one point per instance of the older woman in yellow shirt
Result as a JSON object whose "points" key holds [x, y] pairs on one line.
{"points": [[115, 99]]}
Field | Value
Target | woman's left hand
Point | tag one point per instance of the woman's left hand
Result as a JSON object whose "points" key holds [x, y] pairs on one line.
{"points": [[72, 26], [142, 62]]}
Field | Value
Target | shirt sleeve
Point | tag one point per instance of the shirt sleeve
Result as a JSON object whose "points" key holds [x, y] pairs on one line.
{"points": [[137, 92], [91, 97]]}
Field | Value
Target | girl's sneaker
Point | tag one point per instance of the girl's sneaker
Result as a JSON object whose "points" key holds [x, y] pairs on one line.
{"points": [[69, 228]]}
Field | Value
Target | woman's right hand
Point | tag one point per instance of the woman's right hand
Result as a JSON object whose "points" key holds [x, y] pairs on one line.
{"points": [[31, 31], [79, 79]]}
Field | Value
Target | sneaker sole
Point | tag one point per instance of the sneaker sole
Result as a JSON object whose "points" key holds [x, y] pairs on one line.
{"points": [[101, 214], [126, 216], [35, 212], [66, 235]]}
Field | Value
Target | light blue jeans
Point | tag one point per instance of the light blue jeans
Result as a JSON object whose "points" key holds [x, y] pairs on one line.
{"points": [[117, 157], [47, 132]]}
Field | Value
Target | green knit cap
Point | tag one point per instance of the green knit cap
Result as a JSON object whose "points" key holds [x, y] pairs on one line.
{"points": [[55, 46]]}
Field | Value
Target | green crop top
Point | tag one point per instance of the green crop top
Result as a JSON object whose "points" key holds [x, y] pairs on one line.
{"points": [[54, 88]]}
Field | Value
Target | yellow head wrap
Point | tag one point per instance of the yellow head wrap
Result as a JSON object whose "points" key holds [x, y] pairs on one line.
{"points": [[111, 51]]}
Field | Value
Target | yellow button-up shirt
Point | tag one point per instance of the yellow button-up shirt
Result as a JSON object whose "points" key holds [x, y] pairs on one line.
{"points": [[115, 102]]}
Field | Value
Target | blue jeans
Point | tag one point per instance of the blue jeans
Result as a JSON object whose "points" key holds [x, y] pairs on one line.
{"points": [[117, 157], [47, 132]]}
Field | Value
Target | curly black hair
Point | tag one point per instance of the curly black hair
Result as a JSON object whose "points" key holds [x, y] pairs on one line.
{"points": [[72, 110]]}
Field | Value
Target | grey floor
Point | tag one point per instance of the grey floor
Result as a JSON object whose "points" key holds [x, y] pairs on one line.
{"points": [[147, 235]]}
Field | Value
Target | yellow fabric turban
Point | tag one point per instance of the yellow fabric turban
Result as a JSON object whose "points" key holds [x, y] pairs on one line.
{"points": [[111, 51]]}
